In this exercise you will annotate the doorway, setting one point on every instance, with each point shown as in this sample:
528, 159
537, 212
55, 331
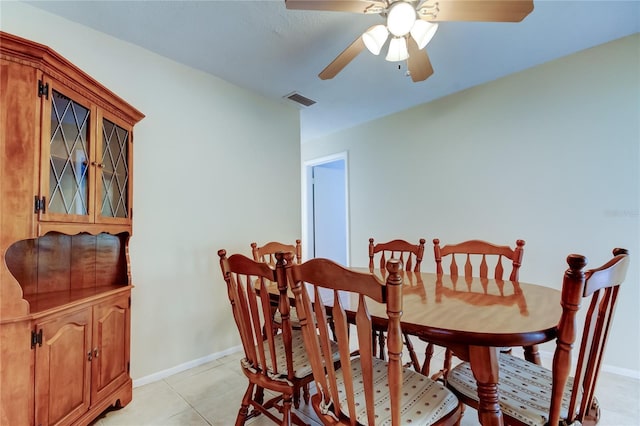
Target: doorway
325, 209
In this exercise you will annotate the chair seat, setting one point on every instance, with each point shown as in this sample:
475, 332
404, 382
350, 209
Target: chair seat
423, 401
524, 389
301, 363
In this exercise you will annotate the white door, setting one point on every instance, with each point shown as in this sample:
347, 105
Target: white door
327, 223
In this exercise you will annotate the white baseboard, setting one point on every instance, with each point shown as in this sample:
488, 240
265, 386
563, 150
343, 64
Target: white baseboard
182, 367
627, 372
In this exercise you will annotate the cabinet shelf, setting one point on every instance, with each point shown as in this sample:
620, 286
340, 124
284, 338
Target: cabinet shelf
47, 303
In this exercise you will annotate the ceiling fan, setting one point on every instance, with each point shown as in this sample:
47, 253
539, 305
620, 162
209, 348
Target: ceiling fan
410, 25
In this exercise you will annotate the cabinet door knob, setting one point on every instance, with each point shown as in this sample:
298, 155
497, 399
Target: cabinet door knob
95, 353
89, 356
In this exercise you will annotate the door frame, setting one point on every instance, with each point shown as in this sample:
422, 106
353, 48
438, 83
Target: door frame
307, 201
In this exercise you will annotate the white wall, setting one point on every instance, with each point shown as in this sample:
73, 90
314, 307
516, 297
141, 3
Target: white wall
198, 155
550, 155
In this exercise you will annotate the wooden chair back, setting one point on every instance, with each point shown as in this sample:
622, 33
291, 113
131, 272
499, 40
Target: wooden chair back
251, 312
319, 284
483, 249
263, 350
409, 254
599, 288
267, 252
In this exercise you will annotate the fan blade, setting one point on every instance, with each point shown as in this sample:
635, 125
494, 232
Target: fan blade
338, 5
418, 63
475, 10
343, 59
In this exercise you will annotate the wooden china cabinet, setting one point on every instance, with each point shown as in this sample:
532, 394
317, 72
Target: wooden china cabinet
65, 223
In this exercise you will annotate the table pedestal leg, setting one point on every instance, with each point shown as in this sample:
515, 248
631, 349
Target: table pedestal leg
484, 364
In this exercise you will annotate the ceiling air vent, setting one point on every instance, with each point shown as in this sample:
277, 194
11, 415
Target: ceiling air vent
299, 99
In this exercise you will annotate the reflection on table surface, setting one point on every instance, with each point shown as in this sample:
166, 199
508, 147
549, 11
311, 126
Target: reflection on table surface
435, 307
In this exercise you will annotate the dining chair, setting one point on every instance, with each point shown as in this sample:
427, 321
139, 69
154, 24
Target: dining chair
267, 254
364, 390
475, 257
533, 395
276, 362
411, 257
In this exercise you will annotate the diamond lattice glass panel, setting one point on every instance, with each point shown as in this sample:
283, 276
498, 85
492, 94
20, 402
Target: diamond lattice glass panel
115, 170
68, 189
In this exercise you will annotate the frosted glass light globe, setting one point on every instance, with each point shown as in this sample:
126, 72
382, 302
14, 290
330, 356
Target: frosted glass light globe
375, 38
401, 18
397, 50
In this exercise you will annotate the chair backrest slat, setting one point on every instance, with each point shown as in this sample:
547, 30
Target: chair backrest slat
241, 313
255, 320
363, 319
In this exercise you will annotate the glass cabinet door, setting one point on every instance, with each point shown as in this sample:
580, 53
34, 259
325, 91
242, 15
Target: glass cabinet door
67, 142
115, 173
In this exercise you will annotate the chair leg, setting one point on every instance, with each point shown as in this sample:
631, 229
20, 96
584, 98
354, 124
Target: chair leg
459, 422
446, 367
531, 354
244, 407
428, 354
286, 410
374, 343
296, 398
306, 396
259, 397
593, 413
332, 327
412, 353
381, 344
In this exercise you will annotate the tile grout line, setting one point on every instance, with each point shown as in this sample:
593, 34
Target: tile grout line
188, 403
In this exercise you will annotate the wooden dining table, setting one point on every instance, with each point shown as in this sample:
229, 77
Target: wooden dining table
474, 318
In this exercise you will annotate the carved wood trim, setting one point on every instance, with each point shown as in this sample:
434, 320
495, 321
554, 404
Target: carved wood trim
43, 58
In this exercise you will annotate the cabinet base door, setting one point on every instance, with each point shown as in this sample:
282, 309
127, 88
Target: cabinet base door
110, 366
62, 368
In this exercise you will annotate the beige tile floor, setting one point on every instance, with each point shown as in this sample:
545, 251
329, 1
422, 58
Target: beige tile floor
210, 394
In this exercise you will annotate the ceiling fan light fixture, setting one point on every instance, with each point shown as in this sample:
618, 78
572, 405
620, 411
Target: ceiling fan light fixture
401, 18
397, 50
375, 38
422, 32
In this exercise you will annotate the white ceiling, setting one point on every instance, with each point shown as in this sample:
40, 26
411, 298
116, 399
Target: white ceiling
262, 46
